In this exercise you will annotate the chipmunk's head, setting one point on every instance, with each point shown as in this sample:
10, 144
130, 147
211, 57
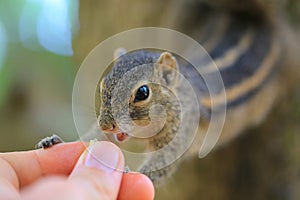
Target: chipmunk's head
129, 92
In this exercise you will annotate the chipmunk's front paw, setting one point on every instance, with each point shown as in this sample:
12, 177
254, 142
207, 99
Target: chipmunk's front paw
49, 142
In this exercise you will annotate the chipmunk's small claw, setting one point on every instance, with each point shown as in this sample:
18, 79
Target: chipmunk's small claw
126, 169
48, 142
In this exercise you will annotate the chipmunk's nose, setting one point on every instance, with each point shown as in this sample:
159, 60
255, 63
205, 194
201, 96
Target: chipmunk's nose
106, 122
112, 128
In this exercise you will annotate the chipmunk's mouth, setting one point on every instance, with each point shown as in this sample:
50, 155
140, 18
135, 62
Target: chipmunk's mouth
121, 137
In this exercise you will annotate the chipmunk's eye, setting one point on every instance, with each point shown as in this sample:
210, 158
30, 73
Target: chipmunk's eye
142, 93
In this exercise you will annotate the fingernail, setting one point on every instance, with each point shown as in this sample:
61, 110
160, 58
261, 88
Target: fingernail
103, 156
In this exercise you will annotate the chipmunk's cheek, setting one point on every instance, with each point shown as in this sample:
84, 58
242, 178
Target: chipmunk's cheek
121, 137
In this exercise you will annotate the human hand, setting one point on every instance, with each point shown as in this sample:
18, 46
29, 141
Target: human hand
66, 171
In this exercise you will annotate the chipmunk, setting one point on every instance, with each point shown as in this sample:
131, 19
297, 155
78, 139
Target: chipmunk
243, 41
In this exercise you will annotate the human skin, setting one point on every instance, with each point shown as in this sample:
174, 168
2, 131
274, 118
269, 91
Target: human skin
68, 171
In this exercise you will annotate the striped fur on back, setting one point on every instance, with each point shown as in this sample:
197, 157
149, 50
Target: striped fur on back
246, 51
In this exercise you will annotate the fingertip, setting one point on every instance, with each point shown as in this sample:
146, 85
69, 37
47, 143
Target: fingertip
100, 170
136, 186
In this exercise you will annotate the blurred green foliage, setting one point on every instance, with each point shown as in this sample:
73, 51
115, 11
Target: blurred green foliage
34, 83
19, 34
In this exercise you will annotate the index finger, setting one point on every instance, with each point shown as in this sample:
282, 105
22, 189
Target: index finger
22, 168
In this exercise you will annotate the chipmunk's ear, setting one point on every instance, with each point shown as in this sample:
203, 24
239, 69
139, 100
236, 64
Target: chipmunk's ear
119, 52
168, 68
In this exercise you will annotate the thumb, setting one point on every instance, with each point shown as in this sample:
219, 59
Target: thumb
99, 171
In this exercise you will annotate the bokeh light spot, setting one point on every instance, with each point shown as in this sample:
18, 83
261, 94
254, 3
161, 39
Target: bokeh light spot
54, 27
49, 24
